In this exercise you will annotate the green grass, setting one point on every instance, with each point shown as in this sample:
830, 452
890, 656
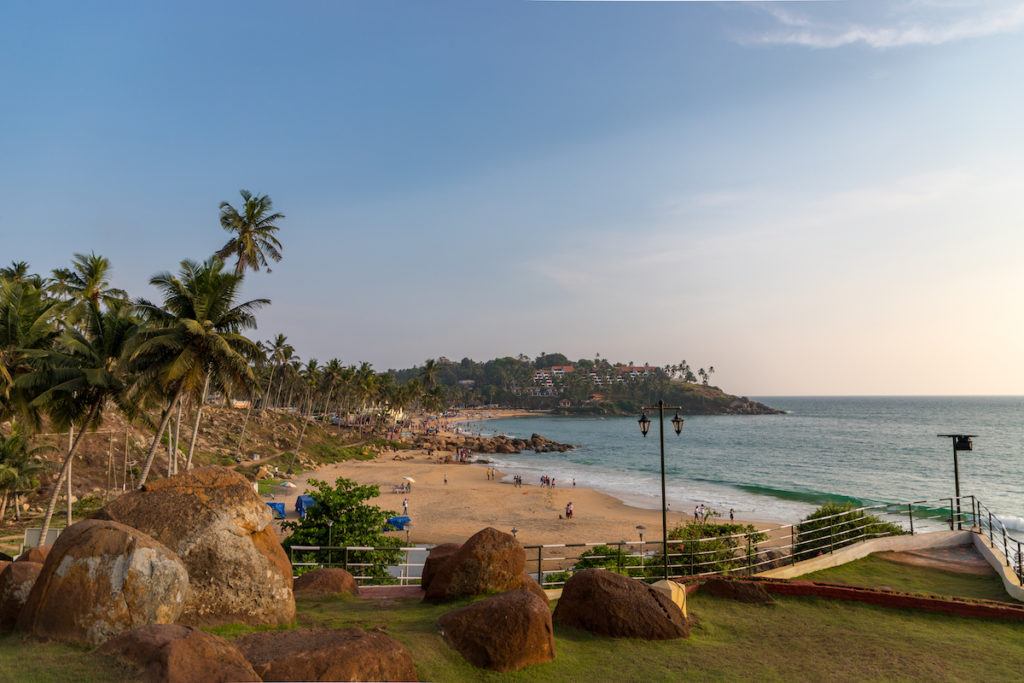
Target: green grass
331, 453
32, 662
797, 639
877, 572
268, 486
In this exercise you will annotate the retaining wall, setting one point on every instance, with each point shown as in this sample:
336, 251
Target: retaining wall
994, 556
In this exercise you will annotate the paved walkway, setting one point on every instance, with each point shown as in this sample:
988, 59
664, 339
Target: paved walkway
962, 559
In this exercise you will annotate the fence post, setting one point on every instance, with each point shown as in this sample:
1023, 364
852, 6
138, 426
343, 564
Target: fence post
1020, 567
1006, 551
792, 543
345, 560
750, 550
991, 541
618, 560
951, 515
540, 568
910, 511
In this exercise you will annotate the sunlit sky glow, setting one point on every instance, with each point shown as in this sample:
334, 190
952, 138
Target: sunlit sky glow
816, 198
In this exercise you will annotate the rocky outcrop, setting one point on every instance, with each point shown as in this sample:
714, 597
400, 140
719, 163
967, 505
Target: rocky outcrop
221, 529
608, 604
491, 444
171, 653
743, 591
103, 578
503, 633
322, 655
489, 562
437, 556
37, 555
325, 582
16, 581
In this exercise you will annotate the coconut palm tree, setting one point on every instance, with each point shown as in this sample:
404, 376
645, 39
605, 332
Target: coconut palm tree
79, 377
194, 338
254, 231
87, 281
279, 352
20, 466
28, 328
428, 375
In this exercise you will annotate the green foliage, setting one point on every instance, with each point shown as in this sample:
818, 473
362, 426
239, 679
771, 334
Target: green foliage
711, 547
835, 525
87, 505
331, 453
355, 523
612, 558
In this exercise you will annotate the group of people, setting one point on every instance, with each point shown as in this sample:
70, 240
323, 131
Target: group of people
492, 474
517, 481
545, 480
569, 509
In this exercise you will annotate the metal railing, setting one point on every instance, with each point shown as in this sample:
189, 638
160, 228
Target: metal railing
745, 552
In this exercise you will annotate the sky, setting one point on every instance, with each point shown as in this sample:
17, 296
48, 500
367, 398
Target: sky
817, 198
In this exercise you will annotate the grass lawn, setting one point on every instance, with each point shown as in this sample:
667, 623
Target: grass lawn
797, 639
877, 572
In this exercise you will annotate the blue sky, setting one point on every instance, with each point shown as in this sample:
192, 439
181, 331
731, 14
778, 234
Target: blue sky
809, 196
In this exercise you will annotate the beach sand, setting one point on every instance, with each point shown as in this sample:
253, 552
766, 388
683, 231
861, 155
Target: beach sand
452, 512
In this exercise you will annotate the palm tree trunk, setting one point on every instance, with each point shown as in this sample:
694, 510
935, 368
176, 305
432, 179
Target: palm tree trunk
245, 422
280, 386
17, 506
68, 478
177, 438
3, 506
65, 471
266, 396
165, 417
195, 425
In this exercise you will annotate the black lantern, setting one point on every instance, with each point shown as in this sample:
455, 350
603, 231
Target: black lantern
645, 424
677, 423
963, 442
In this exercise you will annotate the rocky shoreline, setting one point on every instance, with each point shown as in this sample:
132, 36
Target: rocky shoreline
491, 444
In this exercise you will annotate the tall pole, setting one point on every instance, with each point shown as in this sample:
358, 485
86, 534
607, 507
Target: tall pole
956, 478
664, 507
71, 433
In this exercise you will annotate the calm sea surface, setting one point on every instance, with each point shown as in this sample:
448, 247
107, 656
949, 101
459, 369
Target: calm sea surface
779, 467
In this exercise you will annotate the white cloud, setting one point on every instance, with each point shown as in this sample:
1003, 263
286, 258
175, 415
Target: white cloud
920, 22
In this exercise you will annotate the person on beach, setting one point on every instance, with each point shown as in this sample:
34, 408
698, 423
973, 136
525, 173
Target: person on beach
446, 478
405, 507
732, 515
574, 482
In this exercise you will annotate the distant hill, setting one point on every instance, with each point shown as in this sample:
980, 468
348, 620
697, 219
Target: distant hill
583, 387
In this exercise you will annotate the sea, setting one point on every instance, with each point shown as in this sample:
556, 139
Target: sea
862, 450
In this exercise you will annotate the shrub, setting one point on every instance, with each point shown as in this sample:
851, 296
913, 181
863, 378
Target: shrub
612, 558
835, 525
709, 547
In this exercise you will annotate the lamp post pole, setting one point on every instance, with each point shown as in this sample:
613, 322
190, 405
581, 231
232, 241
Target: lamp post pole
961, 442
645, 425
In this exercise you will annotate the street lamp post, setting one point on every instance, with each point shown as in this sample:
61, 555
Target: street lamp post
330, 541
961, 442
640, 529
645, 426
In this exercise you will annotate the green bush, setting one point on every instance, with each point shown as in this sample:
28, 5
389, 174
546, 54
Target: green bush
835, 525
709, 547
612, 558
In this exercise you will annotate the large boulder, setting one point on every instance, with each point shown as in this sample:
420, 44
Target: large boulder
743, 591
503, 633
609, 604
322, 655
103, 578
171, 653
530, 585
16, 581
34, 555
489, 562
437, 556
222, 531
326, 582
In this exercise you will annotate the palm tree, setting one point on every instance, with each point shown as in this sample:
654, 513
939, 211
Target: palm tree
20, 466
428, 375
86, 281
279, 351
254, 240
194, 338
80, 376
28, 328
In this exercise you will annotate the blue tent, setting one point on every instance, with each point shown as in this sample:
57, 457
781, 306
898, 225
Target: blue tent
400, 522
304, 504
278, 509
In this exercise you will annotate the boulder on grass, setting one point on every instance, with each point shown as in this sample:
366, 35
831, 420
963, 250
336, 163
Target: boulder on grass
744, 591
16, 581
674, 592
221, 529
326, 582
530, 585
34, 555
489, 562
103, 578
437, 556
171, 653
503, 633
322, 655
609, 604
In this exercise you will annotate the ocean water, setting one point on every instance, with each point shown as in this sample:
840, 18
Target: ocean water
864, 450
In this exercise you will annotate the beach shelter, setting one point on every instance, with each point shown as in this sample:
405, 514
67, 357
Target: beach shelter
278, 509
304, 504
399, 522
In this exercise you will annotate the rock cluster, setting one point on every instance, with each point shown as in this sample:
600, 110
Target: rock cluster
609, 604
743, 591
16, 581
170, 653
492, 444
326, 582
489, 562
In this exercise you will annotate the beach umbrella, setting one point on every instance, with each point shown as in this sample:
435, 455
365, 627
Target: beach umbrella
410, 480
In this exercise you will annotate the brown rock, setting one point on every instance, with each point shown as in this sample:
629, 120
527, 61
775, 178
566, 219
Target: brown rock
16, 581
103, 578
489, 562
503, 633
744, 591
171, 653
530, 585
437, 556
609, 604
321, 655
34, 555
326, 581
222, 531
